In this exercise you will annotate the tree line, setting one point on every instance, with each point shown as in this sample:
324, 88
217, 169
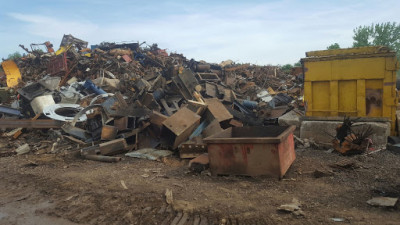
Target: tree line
385, 34
380, 34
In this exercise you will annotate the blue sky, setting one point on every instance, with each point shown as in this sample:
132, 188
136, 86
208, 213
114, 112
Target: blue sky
258, 32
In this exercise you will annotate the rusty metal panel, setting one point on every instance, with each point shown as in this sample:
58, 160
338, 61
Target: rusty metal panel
121, 123
190, 149
125, 123
108, 132
264, 151
181, 120
182, 124
213, 128
211, 90
203, 77
57, 64
218, 110
157, 118
228, 95
127, 58
186, 83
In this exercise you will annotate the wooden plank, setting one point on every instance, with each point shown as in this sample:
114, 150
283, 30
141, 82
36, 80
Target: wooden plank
184, 219
177, 218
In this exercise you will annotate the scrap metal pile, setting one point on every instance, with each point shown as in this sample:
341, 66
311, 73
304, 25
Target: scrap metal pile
114, 98
350, 141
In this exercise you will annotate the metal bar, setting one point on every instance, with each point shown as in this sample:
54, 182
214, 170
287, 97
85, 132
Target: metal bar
356, 119
64, 80
19, 132
102, 158
243, 109
251, 135
10, 111
327, 110
28, 123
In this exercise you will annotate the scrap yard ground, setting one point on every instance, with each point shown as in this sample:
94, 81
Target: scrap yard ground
130, 134
64, 189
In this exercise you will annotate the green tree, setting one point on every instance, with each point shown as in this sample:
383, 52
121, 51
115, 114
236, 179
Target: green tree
386, 34
15, 55
362, 36
333, 46
286, 68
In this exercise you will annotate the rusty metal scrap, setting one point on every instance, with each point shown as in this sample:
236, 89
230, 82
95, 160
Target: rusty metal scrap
180, 125
252, 151
138, 96
28, 123
347, 141
103, 158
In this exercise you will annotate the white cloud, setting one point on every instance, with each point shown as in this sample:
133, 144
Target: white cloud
270, 33
54, 28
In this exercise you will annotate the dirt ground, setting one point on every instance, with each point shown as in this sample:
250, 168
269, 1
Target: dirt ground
65, 189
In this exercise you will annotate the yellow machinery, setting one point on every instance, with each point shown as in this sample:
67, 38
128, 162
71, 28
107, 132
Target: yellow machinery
359, 82
12, 73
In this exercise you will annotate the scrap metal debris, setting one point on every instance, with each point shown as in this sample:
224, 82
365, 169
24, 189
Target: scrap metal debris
115, 98
347, 141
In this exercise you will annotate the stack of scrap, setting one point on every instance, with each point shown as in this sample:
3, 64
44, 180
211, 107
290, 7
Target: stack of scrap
347, 141
114, 98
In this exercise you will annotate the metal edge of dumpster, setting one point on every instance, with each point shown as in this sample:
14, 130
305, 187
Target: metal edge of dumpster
213, 138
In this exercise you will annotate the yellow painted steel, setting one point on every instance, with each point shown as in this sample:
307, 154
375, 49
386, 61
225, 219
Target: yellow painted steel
357, 82
12, 73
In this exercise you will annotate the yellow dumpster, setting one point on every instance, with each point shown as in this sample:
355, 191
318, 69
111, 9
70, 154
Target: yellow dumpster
358, 82
12, 73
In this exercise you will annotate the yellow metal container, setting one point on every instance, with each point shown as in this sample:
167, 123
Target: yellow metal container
358, 82
12, 73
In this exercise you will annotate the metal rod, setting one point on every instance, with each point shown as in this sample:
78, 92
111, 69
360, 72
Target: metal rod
102, 158
28, 123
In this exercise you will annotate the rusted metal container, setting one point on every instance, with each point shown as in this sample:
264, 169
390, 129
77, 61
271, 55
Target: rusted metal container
252, 151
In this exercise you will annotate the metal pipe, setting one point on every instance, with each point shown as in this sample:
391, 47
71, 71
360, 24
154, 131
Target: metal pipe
102, 158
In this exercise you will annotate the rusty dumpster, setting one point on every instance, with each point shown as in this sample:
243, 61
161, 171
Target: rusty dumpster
252, 151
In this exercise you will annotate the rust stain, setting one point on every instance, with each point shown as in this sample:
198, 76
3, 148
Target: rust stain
389, 84
244, 155
246, 149
373, 100
226, 155
274, 150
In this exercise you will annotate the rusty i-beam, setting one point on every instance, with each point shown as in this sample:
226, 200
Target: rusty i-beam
28, 123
